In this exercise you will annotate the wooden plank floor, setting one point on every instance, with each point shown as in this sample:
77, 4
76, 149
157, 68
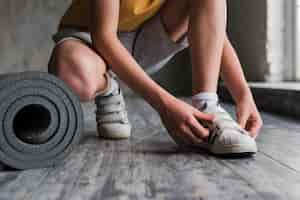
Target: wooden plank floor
149, 166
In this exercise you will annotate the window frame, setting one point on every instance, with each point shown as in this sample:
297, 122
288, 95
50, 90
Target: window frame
292, 40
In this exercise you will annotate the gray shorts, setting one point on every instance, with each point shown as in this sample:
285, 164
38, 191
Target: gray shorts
150, 45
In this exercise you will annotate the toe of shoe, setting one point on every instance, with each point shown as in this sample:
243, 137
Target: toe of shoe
115, 131
235, 143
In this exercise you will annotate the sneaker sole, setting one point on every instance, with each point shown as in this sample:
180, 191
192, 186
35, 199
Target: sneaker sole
114, 135
235, 149
230, 151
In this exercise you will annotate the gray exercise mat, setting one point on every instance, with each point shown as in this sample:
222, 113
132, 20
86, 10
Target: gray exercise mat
41, 120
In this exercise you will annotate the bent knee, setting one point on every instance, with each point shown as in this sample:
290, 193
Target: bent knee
75, 56
72, 59
79, 68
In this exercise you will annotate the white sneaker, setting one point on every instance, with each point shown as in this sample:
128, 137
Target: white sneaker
111, 115
226, 136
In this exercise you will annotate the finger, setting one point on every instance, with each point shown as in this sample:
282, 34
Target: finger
190, 136
198, 129
242, 120
203, 116
254, 128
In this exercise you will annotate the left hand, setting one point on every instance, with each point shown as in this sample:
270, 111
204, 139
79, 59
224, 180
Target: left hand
248, 116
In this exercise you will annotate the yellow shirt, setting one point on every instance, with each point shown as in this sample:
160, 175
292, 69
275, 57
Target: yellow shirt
133, 13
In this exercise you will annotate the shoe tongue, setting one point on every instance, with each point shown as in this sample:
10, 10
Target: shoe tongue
113, 87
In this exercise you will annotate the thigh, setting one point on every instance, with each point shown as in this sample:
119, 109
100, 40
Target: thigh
175, 24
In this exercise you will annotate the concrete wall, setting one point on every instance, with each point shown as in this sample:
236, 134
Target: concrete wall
26, 28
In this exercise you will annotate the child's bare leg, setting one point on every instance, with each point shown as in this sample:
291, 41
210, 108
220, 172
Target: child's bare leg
207, 35
205, 22
80, 68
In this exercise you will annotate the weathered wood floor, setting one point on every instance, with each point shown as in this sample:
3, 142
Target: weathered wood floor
149, 166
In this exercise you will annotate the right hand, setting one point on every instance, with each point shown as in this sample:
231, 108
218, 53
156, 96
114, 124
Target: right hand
182, 121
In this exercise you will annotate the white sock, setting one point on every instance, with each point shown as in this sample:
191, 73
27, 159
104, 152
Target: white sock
208, 98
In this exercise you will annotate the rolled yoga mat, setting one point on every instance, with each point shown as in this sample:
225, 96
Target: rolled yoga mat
41, 120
